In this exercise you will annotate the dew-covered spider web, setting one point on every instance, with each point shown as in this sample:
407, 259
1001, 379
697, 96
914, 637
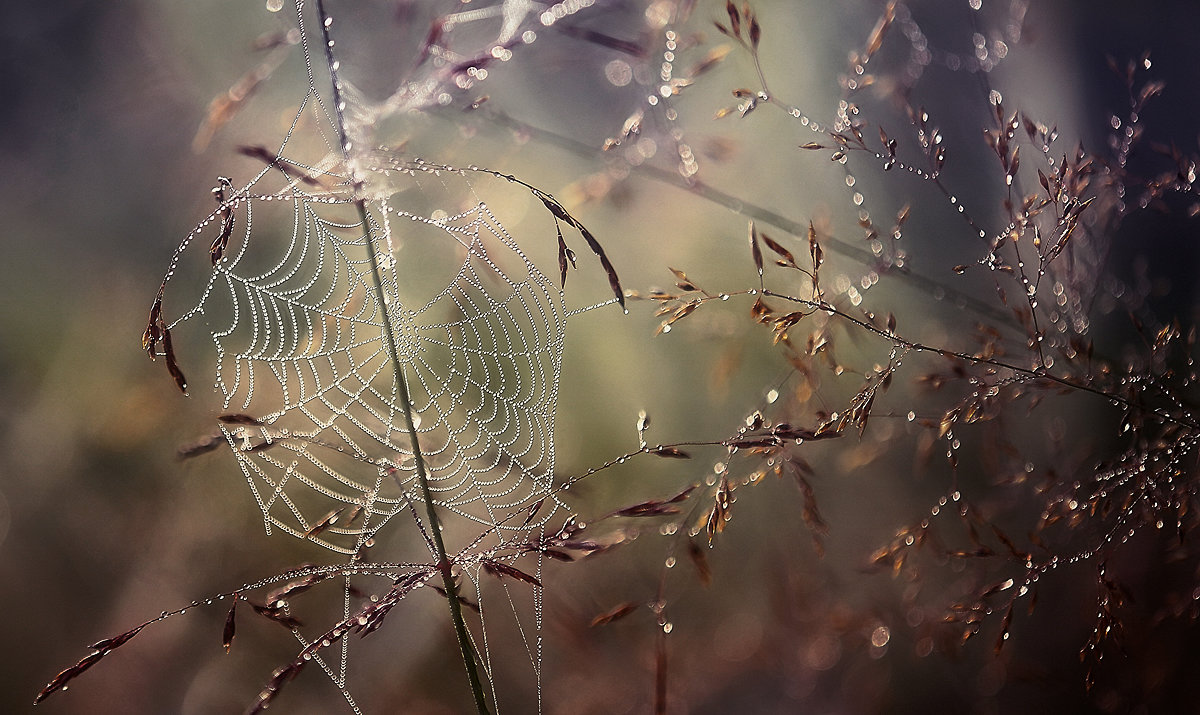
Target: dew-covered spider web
306, 382
310, 400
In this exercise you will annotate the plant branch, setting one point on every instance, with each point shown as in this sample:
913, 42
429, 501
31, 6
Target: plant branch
1037, 374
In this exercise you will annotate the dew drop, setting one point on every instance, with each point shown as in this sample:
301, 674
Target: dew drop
880, 636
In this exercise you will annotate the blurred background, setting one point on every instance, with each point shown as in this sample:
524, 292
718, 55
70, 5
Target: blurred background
109, 163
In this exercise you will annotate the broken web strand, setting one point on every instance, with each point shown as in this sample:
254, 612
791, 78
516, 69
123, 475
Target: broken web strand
401, 386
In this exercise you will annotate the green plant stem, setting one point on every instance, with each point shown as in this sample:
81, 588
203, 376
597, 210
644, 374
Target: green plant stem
444, 566
460, 626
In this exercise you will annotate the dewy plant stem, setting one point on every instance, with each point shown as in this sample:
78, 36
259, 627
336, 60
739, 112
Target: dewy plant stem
460, 626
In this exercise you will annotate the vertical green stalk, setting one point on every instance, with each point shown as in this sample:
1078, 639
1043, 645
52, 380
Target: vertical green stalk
460, 626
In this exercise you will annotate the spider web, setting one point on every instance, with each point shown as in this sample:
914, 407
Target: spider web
308, 387
312, 407
302, 367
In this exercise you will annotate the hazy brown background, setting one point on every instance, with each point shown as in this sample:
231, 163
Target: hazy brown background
101, 528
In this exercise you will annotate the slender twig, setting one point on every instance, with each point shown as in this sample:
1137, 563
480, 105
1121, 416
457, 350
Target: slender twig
1033, 373
444, 565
